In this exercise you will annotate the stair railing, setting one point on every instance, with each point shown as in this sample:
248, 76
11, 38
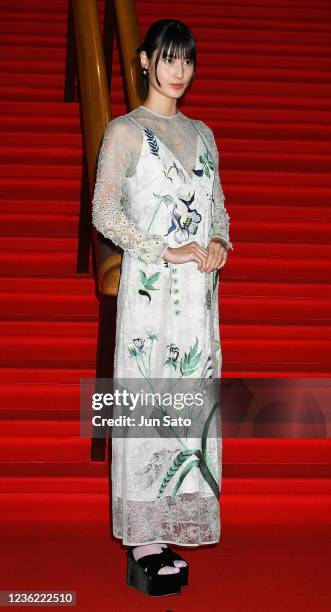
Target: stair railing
86, 58
88, 78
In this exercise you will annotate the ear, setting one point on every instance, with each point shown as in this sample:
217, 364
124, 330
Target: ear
143, 59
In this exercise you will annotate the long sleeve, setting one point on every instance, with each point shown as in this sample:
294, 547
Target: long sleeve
109, 215
220, 221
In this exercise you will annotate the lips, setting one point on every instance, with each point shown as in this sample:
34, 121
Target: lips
177, 85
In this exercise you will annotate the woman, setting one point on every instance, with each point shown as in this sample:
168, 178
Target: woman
158, 196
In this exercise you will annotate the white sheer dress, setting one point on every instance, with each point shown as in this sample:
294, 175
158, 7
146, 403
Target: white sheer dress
158, 185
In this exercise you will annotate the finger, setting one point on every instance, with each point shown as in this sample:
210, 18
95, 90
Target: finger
215, 256
201, 250
225, 256
200, 260
211, 262
200, 255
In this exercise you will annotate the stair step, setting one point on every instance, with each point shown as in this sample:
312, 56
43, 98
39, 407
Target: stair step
69, 160
34, 223
306, 109
51, 74
40, 400
51, 85
19, 143
276, 53
44, 448
41, 375
283, 196
41, 188
234, 486
205, 28
20, 58
86, 477
18, 333
56, 171
253, 455
282, 269
59, 331
267, 345
285, 239
30, 213
314, 15
262, 309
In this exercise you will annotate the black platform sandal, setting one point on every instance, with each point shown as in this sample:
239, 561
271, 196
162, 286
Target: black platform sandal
143, 575
170, 556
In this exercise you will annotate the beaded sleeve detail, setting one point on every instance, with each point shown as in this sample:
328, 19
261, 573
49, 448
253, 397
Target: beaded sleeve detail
109, 212
220, 227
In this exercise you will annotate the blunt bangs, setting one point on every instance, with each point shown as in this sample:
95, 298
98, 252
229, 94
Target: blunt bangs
177, 42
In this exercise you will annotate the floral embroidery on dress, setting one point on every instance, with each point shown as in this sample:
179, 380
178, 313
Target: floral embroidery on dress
152, 470
185, 220
152, 141
188, 366
207, 165
148, 283
179, 172
173, 355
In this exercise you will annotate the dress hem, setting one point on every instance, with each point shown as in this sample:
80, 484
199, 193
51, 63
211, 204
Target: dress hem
165, 542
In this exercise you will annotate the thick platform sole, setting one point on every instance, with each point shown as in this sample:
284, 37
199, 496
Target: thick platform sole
184, 571
152, 585
183, 575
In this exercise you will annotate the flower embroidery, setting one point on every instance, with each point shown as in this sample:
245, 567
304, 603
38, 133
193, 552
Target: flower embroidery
185, 220
137, 347
173, 355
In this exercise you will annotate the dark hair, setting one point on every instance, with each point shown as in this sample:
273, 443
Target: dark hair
173, 38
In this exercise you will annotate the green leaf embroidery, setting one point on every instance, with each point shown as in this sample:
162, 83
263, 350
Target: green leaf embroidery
184, 473
148, 281
190, 362
142, 277
178, 461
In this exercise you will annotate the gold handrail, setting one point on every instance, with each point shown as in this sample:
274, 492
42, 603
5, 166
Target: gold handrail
92, 79
96, 105
127, 22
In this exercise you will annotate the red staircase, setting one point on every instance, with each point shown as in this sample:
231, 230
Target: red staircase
263, 85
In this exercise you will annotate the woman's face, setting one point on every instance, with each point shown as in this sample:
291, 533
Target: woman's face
174, 74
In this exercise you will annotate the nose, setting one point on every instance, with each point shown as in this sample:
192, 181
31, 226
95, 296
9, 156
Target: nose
179, 69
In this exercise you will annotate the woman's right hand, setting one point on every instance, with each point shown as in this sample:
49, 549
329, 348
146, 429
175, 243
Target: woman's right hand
188, 252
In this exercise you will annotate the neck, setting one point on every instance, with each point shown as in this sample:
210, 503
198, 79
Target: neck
161, 105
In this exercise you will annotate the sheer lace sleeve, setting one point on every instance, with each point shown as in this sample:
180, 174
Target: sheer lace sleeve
220, 221
109, 214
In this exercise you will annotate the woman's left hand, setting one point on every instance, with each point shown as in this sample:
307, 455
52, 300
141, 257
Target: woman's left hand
217, 255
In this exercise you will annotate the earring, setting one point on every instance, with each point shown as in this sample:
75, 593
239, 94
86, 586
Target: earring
144, 71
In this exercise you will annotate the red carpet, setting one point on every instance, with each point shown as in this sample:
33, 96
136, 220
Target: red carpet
263, 85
